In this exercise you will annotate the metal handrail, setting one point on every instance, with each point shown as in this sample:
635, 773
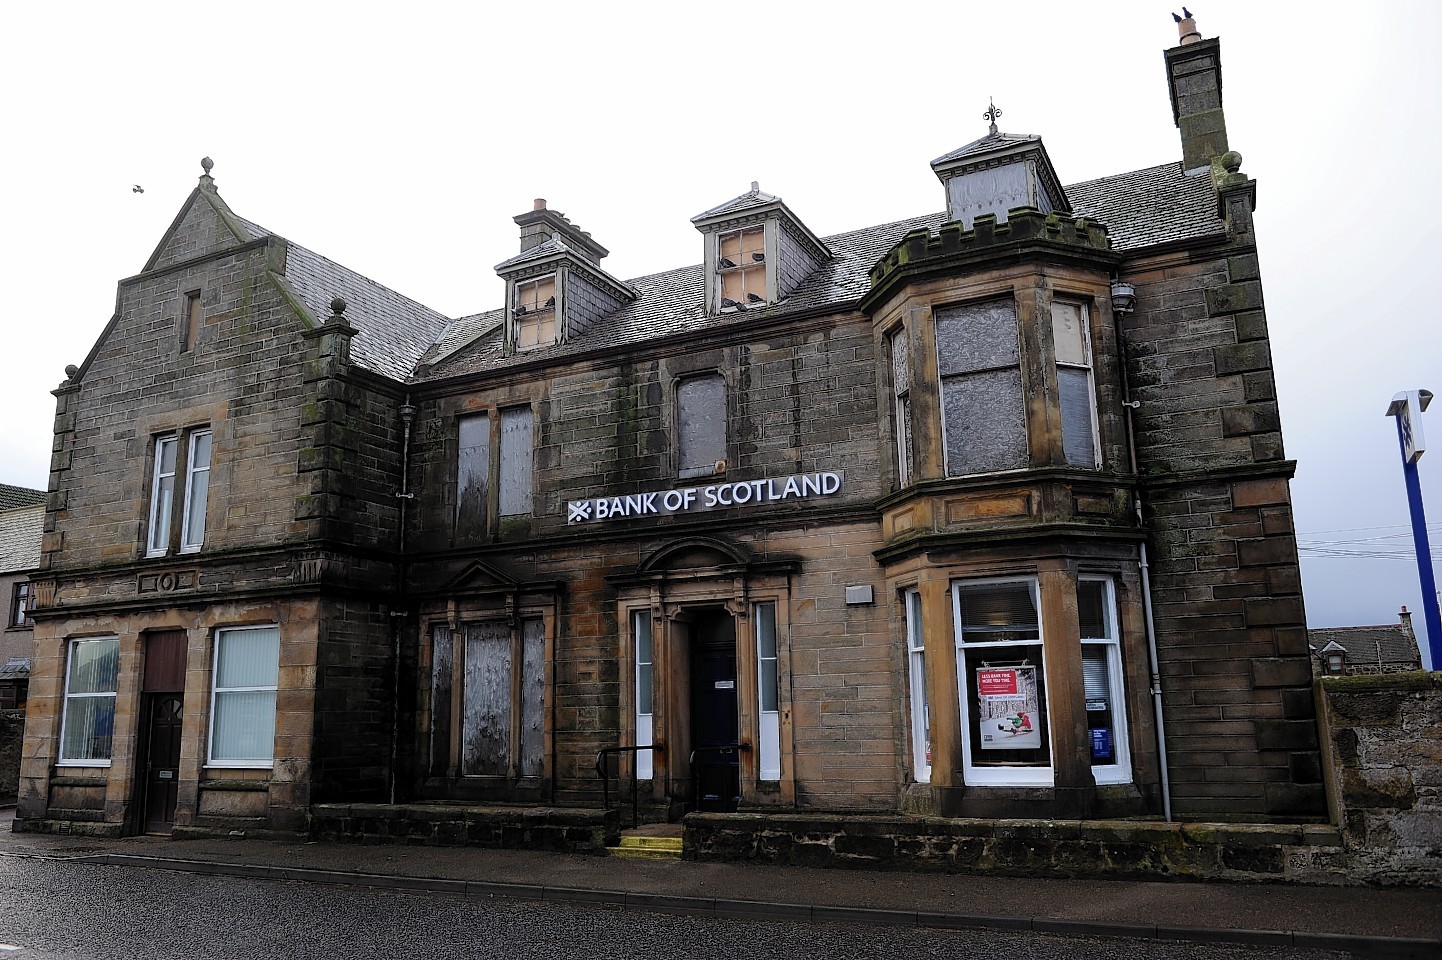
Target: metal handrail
718, 748
605, 774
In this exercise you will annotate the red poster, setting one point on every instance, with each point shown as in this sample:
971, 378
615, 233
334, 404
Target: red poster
996, 683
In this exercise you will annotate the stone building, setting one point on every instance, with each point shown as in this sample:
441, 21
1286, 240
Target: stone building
22, 517
1352, 651
981, 513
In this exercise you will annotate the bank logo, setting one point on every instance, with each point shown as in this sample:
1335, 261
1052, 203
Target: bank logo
580, 511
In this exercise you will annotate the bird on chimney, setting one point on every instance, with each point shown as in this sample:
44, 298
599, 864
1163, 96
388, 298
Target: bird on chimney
1186, 15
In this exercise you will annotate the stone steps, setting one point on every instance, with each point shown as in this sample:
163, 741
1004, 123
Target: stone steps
647, 848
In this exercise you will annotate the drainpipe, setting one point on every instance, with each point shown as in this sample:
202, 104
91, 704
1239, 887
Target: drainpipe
408, 415
1123, 293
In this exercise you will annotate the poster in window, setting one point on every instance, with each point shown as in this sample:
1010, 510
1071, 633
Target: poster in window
1010, 708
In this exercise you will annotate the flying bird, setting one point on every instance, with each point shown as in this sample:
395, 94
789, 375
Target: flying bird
137, 189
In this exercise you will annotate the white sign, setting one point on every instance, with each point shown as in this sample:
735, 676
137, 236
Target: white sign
1409, 406
741, 493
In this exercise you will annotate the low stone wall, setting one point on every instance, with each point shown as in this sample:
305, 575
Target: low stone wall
566, 830
1112, 849
12, 731
1382, 759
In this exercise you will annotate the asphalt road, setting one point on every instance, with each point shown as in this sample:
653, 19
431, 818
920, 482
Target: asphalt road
54, 910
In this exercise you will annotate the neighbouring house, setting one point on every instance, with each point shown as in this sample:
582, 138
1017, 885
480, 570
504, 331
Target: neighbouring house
969, 514
1349, 651
22, 517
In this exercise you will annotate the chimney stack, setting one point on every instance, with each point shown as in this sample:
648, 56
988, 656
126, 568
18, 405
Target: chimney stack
1194, 77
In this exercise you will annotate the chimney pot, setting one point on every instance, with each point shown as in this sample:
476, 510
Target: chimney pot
538, 204
1187, 30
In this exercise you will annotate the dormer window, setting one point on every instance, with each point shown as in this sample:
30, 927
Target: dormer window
741, 268
535, 313
757, 252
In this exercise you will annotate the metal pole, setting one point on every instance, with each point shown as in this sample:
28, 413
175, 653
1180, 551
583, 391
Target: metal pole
1424, 551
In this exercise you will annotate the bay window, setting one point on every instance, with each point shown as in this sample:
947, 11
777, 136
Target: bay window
920, 705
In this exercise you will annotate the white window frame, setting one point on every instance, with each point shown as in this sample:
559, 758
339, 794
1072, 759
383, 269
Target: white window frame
1119, 771
244, 763
1084, 318
65, 718
641, 626
193, 471
916, 671
1030, 776
901, 405
162, 502
768, 754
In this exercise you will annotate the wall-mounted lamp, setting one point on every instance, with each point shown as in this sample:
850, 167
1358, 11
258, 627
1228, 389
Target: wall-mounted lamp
1124, 297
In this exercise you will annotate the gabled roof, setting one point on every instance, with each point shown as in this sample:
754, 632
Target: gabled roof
393, 331
1141, 208
747, 201
12, 497
1386, 643
20, 533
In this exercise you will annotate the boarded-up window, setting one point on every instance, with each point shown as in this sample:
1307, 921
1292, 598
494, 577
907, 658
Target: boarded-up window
701, 424
533, 696
901, 406
535, 313
742, 268
473, 473
486, 724
442, 662
516, 456
1074, 383
984, 415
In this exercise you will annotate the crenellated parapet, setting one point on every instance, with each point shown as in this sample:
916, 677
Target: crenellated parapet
1027, 233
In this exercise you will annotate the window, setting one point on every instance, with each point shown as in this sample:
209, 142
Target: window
473, 475
1102, 680
701, 425
1074, 383
768, 693
920, 705
190, 321
1002, 681
741, 268
535, 313
242, 709
88, 723
516, 457
195, 487
901, 405
645, 691
501, 721
22, 601
983, 415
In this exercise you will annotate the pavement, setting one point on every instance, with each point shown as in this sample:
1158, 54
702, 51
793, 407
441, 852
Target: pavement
1364, 921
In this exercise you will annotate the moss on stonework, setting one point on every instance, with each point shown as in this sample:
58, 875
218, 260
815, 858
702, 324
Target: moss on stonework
1411, 681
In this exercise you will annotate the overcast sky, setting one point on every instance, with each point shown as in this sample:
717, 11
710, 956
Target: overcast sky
401, 139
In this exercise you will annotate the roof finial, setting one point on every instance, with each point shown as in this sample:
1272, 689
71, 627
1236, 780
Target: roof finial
755, 186
992, 112
205, 179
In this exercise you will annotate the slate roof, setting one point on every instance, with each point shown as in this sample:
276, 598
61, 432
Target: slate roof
12, 497
747, 201
1144, 207
1365, 645
16, 668
393, 331
988, 143
20, 532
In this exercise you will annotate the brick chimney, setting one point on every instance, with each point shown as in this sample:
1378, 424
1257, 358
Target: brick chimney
1194, 76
